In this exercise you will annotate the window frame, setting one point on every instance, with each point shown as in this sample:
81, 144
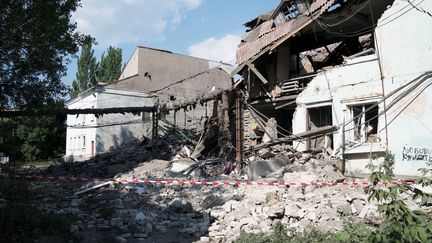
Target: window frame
363, 136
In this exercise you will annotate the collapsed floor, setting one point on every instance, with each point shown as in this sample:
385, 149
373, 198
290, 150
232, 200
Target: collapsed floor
138, 212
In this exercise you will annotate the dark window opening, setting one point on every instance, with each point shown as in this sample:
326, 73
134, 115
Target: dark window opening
365, 119
320, 117
290, 11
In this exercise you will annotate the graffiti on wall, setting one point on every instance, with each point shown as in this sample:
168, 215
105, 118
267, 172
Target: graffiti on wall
414, 153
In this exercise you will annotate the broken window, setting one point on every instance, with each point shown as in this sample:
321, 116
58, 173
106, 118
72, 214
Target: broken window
290, 11
365, 119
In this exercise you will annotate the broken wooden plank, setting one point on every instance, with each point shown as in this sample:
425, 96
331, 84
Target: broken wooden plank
257, 73
277, 100
260, 124
295, 137
94, 188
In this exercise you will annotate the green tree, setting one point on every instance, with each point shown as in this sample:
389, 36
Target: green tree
37, 38
33, 138
86, 72
110, 66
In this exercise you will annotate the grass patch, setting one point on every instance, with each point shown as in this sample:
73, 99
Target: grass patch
34, 163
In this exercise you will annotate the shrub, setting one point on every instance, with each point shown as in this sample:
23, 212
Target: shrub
400, 223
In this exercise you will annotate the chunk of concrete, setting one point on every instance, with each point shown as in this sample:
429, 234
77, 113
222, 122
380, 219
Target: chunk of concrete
265, 168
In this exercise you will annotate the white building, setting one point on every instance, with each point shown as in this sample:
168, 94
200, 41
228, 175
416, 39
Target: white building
361, 67
403, 61
166, 76
88, 135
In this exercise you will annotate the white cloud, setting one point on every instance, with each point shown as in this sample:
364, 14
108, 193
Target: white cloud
218, 49
114, 22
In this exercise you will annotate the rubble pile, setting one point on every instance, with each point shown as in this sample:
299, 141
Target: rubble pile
282, 162
174, 213
128, 156
138, 212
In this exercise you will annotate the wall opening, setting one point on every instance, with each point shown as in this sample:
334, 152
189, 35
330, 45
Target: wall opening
320, 117
365, 123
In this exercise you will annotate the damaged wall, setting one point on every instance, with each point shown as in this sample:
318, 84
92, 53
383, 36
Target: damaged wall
405, 44
108, 137
174, 77
344, 88
87, 135
404, 41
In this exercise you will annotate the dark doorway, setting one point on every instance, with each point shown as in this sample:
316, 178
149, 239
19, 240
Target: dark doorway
320, 117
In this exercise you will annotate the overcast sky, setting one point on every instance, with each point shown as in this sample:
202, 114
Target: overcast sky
204, 28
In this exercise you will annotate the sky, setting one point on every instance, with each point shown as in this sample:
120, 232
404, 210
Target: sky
208, 29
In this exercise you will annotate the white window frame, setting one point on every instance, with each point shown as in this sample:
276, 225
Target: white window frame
363, 137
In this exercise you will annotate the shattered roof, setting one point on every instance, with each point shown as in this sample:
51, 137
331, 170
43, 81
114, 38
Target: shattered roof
266, 34
252, 24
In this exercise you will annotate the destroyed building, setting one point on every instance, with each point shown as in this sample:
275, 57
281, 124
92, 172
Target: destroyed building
349, 78
151, 78
88, 134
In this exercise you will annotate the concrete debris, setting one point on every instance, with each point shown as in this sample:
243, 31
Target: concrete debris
137, 212
94, 188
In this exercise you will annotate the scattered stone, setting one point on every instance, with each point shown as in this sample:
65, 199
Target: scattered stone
117, 222
120, 239
211, 201
274, 212
292, 211
204, 239
148, 228
180, 206
161, 229
341, 206
76, 202
140, 217
140, 235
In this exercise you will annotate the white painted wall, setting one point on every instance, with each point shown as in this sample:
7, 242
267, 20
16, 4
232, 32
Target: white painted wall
85, 129
114, 136
405, 47
78, 137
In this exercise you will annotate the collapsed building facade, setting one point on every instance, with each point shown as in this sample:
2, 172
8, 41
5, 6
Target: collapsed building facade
348, 78
151, 78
